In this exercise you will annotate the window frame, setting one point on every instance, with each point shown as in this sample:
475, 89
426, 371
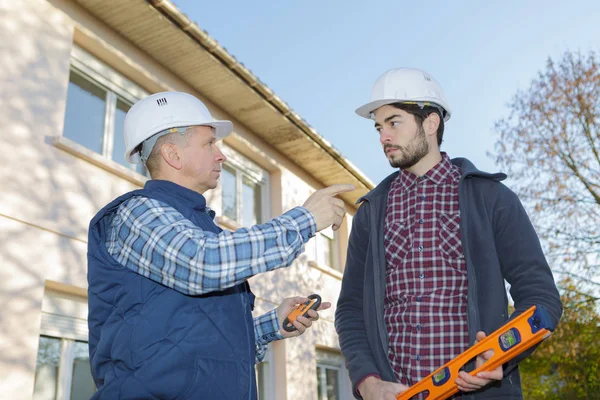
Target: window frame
117, 87
245, 168
64, 317
333, 360
334, 258
268, 363
64, 375
314, 250
322, 368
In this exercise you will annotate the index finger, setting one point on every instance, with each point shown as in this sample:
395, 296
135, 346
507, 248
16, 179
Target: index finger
339, 188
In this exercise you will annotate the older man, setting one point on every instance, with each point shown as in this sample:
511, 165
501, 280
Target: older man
169, 305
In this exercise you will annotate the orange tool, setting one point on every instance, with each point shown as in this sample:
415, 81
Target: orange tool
314, 301
510, 340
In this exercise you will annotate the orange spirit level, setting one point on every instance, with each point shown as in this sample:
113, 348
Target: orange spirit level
510, 340
314, 301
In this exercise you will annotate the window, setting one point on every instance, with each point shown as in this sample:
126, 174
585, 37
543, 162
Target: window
325, 249
97, 100
86, 109
63, 366
329, 385
264, 377
229, 189
62, 370
243, 189
333, 382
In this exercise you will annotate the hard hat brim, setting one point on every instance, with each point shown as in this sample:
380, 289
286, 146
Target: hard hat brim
366, 110
222, 130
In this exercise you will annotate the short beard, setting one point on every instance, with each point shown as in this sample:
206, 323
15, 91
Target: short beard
412, 153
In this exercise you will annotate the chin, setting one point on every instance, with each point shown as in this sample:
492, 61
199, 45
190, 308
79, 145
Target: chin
213, 185
392, 159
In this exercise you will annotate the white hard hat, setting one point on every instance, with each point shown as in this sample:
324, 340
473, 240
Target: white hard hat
406, 85
162, 111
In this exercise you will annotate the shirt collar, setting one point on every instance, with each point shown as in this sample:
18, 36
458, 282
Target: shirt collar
439, 174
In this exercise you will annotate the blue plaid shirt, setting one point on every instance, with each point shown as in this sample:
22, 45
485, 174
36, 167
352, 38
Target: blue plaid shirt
156, 241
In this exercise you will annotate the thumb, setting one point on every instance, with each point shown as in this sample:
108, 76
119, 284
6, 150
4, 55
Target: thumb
399, 388
480, 336
296, 300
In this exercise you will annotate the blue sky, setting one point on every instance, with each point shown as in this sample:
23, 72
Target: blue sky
322, 58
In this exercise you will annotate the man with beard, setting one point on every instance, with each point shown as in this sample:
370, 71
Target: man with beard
429, 251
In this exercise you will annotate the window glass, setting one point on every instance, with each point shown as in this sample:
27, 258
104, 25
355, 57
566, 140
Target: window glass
251, 204
82, 383
229, 192
46, 369
85, 113
332, 384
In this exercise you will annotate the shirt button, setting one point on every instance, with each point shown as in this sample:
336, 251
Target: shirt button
418, 357
423, 197
420, 248
418, 328
421, 221
421, 276
423, 177
419, 298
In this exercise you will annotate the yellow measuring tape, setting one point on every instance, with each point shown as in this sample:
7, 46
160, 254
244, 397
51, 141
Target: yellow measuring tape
510, 340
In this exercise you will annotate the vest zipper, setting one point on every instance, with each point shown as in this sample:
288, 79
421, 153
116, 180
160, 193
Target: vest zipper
245, 306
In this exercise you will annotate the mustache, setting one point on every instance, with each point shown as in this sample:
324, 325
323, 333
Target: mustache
391, 146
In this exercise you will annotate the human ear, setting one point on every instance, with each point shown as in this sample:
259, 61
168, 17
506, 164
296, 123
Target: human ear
170, 153
432, 122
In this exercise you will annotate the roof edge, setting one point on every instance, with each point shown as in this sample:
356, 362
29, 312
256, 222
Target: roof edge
171, 12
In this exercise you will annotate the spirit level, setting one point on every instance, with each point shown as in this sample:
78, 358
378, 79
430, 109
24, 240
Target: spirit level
508, 341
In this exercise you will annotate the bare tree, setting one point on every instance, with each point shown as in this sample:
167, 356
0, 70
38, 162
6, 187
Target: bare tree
550, 147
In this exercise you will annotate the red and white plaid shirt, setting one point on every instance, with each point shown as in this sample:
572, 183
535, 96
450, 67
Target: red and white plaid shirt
426, 281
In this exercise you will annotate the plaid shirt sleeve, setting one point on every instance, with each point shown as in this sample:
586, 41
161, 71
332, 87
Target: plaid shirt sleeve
266, 330
156, 241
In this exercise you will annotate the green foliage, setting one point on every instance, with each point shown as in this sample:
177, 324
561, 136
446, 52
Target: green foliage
567, 365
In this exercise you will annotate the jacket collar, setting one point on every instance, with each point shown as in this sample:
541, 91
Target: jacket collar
467, 169
194, 199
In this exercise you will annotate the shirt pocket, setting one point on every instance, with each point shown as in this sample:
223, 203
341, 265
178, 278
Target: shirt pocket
450, 243
397, 242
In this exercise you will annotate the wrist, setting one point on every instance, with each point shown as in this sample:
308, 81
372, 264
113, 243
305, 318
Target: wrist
366, 383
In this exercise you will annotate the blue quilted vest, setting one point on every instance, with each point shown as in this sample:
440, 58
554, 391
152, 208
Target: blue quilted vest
148, 341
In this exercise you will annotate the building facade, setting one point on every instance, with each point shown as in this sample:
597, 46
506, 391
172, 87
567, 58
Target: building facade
70, 71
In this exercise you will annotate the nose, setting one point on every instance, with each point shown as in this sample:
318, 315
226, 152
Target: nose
384, 136
219, 156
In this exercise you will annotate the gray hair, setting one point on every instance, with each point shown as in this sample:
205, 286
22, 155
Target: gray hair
148, 144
